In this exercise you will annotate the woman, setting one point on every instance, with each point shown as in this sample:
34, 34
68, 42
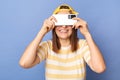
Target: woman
65, 55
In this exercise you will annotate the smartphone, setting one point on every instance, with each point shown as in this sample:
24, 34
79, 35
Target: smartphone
65, 19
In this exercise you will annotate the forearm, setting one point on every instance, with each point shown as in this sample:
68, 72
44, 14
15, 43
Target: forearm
29, 57
30, 54
96, 61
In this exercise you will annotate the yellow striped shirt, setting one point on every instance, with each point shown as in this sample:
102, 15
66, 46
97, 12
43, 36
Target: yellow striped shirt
65, 65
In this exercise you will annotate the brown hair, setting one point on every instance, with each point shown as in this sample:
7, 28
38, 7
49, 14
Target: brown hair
64, 7
73, 41
73, 38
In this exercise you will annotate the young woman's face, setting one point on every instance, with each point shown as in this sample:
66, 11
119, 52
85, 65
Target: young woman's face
63, 32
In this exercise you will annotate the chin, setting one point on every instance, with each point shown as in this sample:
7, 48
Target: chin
63, 38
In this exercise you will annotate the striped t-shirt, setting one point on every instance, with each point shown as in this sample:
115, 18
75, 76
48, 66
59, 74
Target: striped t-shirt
65, 65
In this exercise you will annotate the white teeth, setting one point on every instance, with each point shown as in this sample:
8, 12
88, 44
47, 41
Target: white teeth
63, 31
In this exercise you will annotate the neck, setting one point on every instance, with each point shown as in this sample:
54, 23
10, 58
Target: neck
64, 42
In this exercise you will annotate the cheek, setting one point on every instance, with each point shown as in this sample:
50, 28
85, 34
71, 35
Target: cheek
70, 30
56, 31
56, 28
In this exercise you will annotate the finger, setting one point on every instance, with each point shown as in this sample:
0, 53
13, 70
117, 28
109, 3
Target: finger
78, 26
51, 24
52, 18
75, 18
74, 25
80, 20
49, 28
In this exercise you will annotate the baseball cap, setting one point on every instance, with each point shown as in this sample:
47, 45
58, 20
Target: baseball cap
65, 6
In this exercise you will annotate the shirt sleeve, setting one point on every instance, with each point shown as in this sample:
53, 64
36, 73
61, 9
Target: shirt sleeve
42, 50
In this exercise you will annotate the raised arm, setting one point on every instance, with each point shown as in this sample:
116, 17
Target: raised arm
96, 61
29, 57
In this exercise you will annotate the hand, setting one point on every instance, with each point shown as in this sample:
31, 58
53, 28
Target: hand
81, 25
48, 24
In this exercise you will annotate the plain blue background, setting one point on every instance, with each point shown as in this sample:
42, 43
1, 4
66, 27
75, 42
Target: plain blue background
20, 21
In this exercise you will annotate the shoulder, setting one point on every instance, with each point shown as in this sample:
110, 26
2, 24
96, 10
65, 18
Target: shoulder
46, 43
81, 42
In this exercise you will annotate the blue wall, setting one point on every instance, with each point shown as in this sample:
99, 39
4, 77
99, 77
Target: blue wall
20, 20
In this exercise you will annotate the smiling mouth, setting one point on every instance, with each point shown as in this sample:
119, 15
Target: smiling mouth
63, 31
